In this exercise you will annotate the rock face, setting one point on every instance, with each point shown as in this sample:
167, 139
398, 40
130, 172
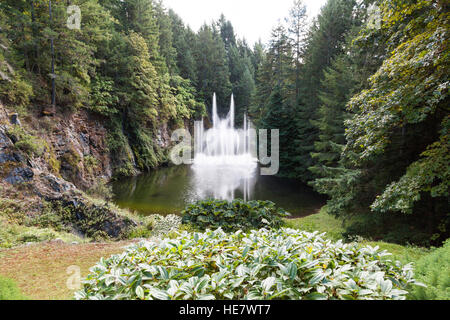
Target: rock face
69, 154
5, 142
20, 175
79, 143
14, 168
90, 219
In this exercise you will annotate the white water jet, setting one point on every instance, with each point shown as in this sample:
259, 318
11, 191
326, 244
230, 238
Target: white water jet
222, 155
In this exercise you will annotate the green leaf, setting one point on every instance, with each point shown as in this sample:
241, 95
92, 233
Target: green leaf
140, 292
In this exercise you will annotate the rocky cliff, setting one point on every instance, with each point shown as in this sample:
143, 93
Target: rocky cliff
53, 160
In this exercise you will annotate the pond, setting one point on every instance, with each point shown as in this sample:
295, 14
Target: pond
169, 190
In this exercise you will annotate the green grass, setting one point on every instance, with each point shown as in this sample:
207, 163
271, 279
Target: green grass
322, 222
9, 290
41, 271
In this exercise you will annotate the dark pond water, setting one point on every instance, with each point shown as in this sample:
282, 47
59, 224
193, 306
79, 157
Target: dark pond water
168, 190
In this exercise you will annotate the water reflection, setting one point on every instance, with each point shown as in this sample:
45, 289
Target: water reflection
168, 190
223, 181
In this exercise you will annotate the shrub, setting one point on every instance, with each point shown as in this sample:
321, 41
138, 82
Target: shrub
101, 189
155, 225
233, 216
91, 163
433, 270
25, 142
277, 264
9, 290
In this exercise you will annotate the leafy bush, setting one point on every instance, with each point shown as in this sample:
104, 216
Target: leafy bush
434, 270
9, 290
163, 225
101, 189
102, 98
156, 226
277, 264
233, 216
25, 142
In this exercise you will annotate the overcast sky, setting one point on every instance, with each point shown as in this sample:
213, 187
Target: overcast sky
251, 19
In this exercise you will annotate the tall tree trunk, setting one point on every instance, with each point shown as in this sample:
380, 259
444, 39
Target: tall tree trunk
53, 60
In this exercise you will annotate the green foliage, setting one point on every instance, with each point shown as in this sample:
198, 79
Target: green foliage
14, 89
102, 98
273, 73
25, 142
164, 225
75, 50
212, 67
397, 138
433, 270
94, 221
156, 225
279, 116
13, 234
279, 264
325, 42
9, 290
101, 189
16, 93
390, 227
234, 215
322, 222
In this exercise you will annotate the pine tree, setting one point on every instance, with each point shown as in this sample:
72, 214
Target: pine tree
279, 116
274, 71
226, 33
75, 58
212, 68
325, 42
166, 48
184, 44
297, 23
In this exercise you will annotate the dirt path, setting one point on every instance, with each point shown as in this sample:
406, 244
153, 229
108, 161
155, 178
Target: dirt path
41, 272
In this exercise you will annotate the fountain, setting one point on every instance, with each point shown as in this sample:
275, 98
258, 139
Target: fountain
224, 166
225, 159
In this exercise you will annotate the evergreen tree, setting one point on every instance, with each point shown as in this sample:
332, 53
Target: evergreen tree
325, 42
227, 33
297, 31
166, 47
273, 72
212, 68
279, 116
184, 44
75, 59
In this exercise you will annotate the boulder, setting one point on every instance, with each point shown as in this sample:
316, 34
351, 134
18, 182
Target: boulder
15, 119
20, 175
5, 141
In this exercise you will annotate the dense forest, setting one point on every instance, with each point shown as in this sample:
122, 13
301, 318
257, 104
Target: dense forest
361, 104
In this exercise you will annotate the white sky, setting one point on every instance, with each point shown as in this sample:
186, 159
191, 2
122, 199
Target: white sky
251, 19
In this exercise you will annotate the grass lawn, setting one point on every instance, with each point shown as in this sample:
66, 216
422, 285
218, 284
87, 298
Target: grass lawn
40, 271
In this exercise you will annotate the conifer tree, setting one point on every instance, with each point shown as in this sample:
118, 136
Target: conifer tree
212, 68
325, 42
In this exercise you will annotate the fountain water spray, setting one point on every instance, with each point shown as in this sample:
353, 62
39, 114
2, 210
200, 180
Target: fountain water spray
223, 144
223, 153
